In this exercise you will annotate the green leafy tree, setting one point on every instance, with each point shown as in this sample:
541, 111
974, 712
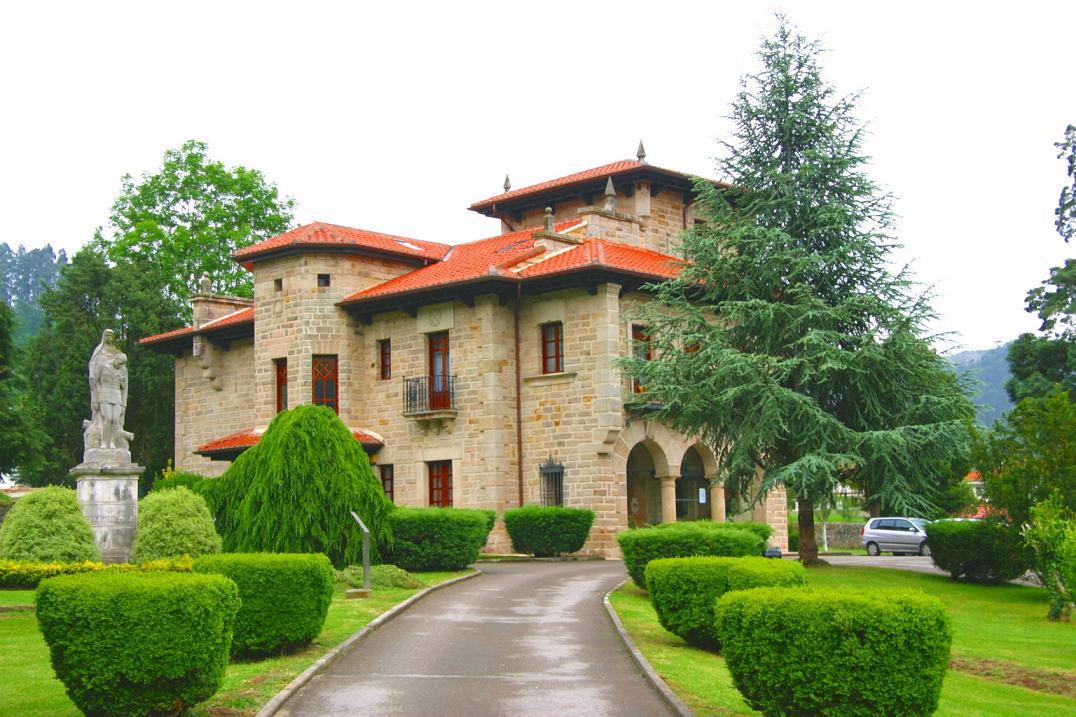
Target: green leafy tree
1041, 363
1047, 533
21, 440
189, 217
1029, 455
810, 361
295, 490
89, 297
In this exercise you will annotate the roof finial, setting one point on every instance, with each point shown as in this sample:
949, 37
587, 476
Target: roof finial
610, 196
641, 152
206, 285
507, 184
548, 221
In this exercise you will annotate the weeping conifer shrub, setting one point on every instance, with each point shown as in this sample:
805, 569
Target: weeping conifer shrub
293, 492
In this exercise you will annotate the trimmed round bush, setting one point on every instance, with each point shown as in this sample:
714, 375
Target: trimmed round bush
47, 526
683, 590
841, 653
682, 540
172, 523
285, 597
985, 551
437, 538
381, 577
138, 643
545, 531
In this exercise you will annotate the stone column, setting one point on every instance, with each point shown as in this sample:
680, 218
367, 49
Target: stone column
109, 499
668, 499
717, 501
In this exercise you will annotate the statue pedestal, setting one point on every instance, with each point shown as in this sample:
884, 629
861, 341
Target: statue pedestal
108, 495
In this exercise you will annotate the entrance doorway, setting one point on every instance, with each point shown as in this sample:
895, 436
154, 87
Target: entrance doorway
692, 489
644, 489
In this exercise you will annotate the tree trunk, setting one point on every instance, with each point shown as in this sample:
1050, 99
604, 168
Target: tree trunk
808, 546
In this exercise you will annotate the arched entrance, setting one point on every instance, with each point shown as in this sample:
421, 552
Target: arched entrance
692, 489
644, 489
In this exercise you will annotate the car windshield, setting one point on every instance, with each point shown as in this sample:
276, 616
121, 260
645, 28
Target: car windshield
919, 522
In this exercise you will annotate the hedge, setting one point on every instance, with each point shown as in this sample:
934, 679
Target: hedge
544, 531
682, 540
762, 530
47, 525
138, 643
285, 597
28, 574
842, 653
683, 590
437, 538
177, 479
986, 551
172, 523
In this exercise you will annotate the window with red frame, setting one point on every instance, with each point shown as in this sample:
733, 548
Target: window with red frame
440, 483
552, 347
640, 340
326, 380
384, 352
280, 366
388, 482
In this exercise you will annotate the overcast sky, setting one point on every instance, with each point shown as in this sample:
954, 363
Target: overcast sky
396, 116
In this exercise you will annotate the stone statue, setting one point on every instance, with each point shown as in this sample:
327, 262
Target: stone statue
108, 401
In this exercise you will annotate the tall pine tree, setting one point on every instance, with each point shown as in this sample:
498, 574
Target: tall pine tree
805, 353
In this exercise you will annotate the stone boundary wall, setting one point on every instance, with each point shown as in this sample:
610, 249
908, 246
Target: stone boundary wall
839, 535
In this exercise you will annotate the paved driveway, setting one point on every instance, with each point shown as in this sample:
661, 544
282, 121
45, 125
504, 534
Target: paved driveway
914, 563
522, 639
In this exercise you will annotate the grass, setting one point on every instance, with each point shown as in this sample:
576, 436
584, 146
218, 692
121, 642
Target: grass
1002, 643
24, 658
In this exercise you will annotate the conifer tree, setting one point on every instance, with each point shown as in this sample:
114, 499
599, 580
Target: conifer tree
787, 343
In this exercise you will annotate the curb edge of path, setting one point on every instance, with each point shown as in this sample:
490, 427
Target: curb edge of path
655, 679
272, 706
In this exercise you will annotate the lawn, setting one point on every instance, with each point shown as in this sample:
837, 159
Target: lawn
24, 658
1002, 646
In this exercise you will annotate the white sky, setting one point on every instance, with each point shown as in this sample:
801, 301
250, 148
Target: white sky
396, 116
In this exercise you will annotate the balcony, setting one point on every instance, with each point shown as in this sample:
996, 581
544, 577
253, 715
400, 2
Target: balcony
431, 400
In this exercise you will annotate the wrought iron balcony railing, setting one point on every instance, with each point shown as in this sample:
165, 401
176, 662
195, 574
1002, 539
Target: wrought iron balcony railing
429, 394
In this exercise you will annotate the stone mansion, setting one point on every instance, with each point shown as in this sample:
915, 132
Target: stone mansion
476, 375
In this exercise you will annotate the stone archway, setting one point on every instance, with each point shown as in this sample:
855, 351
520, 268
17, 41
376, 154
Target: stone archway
692, 488
644, 488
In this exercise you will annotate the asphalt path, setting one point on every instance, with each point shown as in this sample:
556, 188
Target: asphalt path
522, 639
915, 563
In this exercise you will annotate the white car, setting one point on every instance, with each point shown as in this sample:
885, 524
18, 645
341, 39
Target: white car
895, 535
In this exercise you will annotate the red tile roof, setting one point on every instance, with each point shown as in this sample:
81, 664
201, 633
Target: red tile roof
607, 255
320, 234
466, 262
497, 255
586, 175
236, 318
250, 437
187, 331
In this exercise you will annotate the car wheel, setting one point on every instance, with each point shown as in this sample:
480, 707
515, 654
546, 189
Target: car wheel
924, 549
873, 550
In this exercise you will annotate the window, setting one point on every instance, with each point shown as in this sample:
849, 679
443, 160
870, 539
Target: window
280, 368
388, 481
552, 474
640, 341
326, 380
440, 372
440, 483
552, 348
384, 352
278, 285
323, 280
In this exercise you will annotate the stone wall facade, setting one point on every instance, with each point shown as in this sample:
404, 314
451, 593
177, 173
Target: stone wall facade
509, 416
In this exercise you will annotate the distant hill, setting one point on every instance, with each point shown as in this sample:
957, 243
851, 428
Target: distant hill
991, 368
